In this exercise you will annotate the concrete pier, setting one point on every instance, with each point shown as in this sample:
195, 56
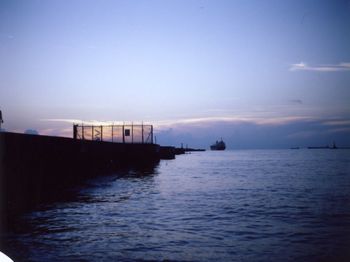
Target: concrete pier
34, 169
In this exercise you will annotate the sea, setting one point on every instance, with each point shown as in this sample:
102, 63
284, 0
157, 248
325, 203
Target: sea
234, 205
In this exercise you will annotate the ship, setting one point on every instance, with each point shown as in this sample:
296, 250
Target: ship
219, 145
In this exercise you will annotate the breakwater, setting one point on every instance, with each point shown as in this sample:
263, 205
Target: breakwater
37, 169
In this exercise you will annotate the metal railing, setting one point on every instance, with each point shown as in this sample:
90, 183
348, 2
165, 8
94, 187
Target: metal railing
115, 133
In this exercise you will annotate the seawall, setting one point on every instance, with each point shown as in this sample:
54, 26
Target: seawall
35, 169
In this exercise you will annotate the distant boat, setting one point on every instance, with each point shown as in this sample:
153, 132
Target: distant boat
219, 145
334, 146
318, 147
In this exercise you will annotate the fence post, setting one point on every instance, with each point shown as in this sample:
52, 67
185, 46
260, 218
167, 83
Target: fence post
123, 134
142, 133
151, 134
82, 135
132, 132
75, 131
101, 133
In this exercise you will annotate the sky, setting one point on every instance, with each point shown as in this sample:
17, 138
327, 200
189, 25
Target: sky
259, 74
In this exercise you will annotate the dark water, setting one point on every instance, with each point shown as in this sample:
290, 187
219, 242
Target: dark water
263, 205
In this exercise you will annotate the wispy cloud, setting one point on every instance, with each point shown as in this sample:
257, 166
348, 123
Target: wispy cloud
302, 134
296, 101
79, 121
337, 122
92, 122
340, 130
320, 68
62, 120
64, 132
202, 121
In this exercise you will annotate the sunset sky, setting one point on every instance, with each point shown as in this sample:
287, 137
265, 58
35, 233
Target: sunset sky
260, 74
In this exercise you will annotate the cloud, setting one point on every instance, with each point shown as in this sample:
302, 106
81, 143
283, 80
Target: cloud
340, 130
205, 121
238, 131
250, 134
337, 122
31, 132
64, 132
302, 134
296, 101
320, 68
79, 121
62, 120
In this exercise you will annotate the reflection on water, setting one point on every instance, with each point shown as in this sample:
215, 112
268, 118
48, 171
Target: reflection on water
238, 205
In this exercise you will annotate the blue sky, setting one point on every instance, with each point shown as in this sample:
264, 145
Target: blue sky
188, 67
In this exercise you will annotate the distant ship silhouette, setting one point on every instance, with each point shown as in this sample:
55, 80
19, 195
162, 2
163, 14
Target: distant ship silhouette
219, 145
334, 146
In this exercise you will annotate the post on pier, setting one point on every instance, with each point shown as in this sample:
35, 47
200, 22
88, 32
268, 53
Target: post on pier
142, 132
75, 131
132, 132
82, 132
152, 134
123, 134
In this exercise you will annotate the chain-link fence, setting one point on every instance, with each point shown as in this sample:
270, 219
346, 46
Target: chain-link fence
115, 133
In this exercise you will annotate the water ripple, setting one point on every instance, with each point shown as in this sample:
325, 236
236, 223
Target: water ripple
238, 205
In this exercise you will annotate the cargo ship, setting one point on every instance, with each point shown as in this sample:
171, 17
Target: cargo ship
219, 145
